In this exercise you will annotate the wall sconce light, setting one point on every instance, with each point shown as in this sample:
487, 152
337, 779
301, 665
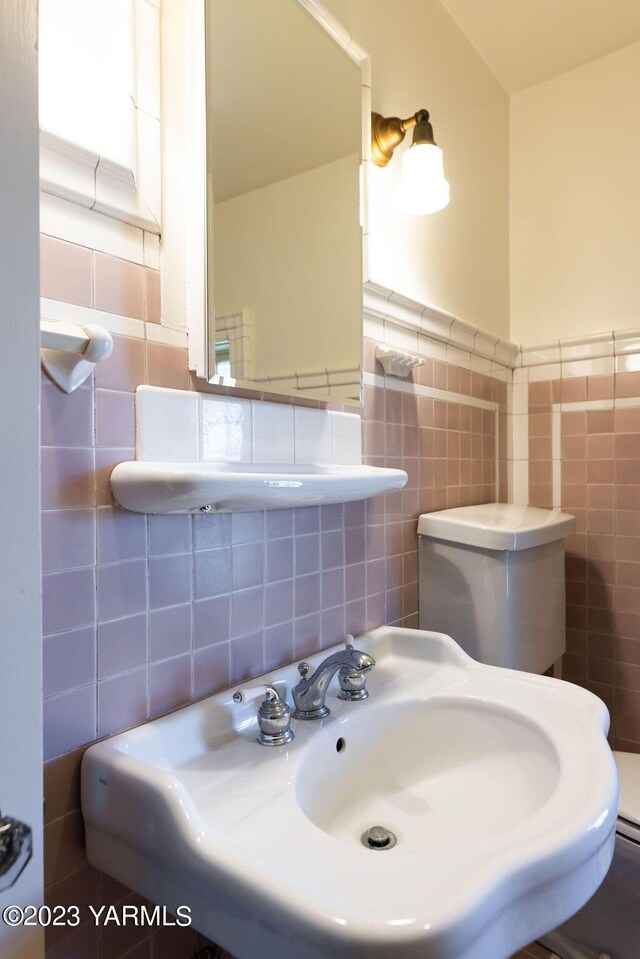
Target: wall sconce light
423, 188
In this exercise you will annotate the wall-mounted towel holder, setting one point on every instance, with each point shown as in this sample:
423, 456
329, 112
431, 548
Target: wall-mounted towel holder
396, 362
69, 353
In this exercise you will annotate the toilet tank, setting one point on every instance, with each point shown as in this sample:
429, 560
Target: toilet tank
492, 577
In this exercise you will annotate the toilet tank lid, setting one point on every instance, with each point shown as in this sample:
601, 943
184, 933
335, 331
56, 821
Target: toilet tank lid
629, 772
499, 526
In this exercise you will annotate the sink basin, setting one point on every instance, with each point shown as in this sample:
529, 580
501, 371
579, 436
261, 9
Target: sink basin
499, 787
497, 771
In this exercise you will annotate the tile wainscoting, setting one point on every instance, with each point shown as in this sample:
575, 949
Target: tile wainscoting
143, 614
584, 455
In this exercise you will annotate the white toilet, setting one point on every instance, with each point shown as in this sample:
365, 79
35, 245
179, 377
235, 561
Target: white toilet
492, 576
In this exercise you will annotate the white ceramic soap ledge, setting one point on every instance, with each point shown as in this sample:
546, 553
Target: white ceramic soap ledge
201, 453
197, 487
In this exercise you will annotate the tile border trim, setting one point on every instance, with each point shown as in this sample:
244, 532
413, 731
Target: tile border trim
417, 389
59, 311
385, 310
613, 344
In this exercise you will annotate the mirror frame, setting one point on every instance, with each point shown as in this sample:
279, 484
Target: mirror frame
202, 342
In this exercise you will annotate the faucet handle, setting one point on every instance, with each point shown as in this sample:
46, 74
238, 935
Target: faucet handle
274, 715
252, 692
274, 719
352, 680
352, 684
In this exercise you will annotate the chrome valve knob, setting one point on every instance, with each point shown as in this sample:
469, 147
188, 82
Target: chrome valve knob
352, 680
352, 684
274, 718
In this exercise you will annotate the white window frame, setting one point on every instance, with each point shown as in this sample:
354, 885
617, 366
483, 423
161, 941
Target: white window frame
129, 193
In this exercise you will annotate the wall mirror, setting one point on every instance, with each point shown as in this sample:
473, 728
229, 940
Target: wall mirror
284, 150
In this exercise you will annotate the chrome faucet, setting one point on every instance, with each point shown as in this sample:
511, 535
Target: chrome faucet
310, 693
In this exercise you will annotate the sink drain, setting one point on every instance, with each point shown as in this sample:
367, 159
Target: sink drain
378, 838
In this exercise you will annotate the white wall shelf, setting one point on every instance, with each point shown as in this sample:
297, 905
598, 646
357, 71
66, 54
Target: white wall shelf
144, 487
218, 454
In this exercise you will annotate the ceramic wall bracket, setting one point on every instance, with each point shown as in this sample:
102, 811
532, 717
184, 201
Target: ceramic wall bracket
397, 363
69, 353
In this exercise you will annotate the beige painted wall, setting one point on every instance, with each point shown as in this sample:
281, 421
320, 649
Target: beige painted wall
575, 202
290, 252
457, 259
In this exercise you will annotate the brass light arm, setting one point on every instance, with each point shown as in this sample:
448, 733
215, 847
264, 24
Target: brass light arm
388, 132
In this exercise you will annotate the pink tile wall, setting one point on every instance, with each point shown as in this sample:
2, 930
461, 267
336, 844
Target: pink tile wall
600, 471
145, 613
85, 277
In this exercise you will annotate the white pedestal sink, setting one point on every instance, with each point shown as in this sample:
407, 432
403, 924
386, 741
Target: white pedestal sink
499, 787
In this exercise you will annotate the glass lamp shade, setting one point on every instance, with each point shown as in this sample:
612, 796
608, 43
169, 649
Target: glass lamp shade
423, 188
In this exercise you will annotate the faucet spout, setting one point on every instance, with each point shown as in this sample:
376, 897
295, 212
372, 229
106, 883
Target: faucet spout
310, 693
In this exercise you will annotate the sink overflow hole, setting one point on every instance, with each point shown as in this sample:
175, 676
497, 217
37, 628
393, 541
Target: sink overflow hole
340, 745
